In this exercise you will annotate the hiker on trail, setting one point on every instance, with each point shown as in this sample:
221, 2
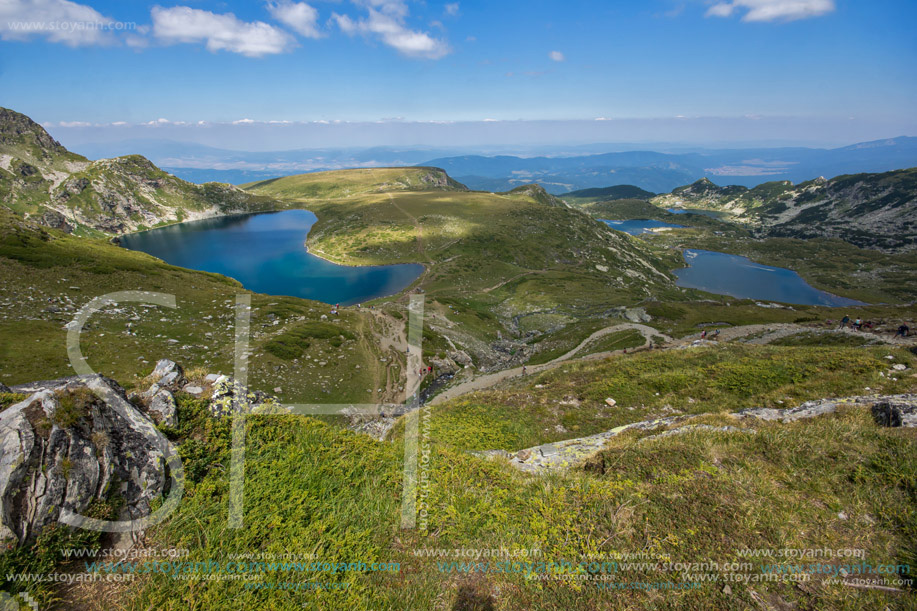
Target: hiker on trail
716, 334
857, 324
903, 330
703, 334
844, 321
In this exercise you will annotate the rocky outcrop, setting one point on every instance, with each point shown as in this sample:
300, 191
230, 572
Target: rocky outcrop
114, 196
891, 410
895, 412
71, 442
902, 405
4, 388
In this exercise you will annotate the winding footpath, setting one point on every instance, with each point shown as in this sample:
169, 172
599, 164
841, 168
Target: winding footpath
492, 379
763, 334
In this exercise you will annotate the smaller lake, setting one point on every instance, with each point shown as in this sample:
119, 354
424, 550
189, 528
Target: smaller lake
711, 213
638, 226
266, 252
717, 272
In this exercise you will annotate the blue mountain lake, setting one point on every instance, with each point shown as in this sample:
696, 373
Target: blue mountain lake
638, 226
717, 272
266, 252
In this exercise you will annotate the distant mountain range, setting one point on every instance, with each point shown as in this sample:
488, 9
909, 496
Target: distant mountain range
558, 170
662, 172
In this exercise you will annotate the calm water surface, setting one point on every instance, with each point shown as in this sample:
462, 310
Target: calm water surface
266, 253
638, 226
717, 272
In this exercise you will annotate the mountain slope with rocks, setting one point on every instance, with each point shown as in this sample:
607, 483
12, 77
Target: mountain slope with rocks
41, 180
868, 210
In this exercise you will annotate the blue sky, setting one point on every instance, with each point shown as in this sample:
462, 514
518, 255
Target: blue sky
812, 70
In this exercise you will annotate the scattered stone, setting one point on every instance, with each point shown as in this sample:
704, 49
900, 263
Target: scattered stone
899, 366
210, 378
611, 402
194, 391
278, 389
842, 515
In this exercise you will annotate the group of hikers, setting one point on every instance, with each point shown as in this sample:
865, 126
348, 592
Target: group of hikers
859, 325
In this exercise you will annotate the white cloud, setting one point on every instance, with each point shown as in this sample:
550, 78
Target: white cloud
299, 16
57, 20
772, 10
452, 9
556, 56
386, 20
182, 24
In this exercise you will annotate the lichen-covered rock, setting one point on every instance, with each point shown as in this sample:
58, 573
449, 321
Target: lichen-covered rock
167, 374
71, 442
163, 408
4, 388
228, 396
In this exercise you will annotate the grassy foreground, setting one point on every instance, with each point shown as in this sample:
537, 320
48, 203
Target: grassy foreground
674, 519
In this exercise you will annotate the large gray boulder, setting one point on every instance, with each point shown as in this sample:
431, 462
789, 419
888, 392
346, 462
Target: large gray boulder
167, 375
71, 442
4, 387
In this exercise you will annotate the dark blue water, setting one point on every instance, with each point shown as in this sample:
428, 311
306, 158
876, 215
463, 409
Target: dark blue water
717, 272
638, 226
266, 253
711, 213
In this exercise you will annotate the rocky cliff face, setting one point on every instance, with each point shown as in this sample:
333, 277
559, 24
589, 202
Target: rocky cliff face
43, 181
868, 210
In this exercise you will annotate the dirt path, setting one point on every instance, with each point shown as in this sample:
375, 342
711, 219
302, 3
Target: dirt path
508, 280
492, 379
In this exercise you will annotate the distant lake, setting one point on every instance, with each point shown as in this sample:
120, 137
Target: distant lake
711, 213
266, 252
638, 226
717, 272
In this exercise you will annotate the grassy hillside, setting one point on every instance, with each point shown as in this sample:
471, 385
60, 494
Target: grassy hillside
585, 196
47, 276
341, 184
317, 494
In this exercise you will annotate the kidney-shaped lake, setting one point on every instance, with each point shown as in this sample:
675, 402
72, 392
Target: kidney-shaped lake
266, 252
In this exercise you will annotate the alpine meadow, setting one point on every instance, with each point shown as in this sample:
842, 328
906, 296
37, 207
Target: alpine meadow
458, 306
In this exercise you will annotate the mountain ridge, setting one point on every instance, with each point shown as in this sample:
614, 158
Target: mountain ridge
43, 181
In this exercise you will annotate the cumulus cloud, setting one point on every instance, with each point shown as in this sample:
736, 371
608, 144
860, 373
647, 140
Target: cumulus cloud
556, 56
772, 10
386, 21
223, 32
299, 16
58, 21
